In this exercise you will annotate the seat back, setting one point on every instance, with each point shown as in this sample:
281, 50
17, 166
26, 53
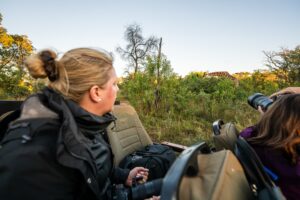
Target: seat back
7, 106
224, 135
199, 174
128, 134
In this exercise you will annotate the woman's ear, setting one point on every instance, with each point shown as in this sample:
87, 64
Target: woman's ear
95, 94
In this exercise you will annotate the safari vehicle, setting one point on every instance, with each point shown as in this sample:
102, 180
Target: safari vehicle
198, 172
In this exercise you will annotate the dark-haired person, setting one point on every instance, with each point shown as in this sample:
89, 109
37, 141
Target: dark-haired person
276, 140
57, 148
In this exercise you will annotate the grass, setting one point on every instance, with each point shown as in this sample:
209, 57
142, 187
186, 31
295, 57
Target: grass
188, 129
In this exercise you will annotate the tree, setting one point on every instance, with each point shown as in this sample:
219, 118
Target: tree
286, 64
14, 81
137, 48
158, 68
13, 48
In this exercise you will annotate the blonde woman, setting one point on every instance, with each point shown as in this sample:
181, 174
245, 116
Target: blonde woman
57, 147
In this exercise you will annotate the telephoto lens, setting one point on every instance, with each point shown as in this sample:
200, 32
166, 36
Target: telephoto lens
258, 99
138, 192
146, 190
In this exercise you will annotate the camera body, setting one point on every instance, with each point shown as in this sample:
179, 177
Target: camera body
258, 99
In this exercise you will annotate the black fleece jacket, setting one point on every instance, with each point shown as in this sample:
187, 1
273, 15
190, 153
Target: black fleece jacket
65, 155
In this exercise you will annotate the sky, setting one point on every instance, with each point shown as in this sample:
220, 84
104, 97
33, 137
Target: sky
198, 35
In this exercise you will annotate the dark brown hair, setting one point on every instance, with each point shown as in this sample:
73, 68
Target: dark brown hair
279, 127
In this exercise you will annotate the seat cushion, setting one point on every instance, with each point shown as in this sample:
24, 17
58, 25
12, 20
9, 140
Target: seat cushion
227, 137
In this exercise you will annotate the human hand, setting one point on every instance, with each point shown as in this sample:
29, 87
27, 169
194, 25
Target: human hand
288, 90
154, 198
137, 172
260, 110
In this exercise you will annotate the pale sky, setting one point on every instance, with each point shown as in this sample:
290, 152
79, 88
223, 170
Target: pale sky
198, 35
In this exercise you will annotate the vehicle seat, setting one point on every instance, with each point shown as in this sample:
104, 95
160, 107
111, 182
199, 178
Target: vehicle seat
8, 106
224, 135
127, 134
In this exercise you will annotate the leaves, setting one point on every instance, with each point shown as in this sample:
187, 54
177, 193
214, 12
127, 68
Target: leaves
286, 64
189, 105
14, 81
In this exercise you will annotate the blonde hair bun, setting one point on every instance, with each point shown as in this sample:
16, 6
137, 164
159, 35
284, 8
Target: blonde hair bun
43, 65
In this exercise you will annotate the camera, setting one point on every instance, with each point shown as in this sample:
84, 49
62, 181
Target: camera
258, 99
138, 192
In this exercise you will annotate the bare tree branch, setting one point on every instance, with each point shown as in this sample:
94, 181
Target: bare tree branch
137, 48
286, 64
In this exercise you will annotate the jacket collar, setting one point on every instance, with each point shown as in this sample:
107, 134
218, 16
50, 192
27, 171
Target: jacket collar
87, 121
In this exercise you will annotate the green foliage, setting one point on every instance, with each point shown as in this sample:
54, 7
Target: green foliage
189, 105
14, 81
162, 68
